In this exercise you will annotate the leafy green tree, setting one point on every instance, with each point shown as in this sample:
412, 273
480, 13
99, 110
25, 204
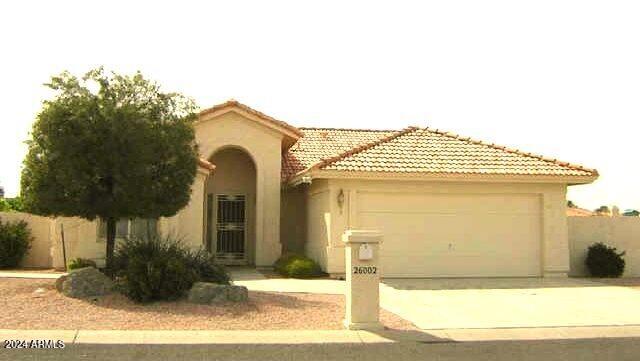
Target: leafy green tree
631, 213
110, 146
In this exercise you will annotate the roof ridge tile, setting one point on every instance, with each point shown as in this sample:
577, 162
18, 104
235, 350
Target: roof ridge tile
350, 129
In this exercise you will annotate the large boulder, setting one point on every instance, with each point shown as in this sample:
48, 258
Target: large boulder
84, 282
211, 293
206, 293
237, 293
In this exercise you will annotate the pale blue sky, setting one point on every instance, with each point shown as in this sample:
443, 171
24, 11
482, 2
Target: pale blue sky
559, 78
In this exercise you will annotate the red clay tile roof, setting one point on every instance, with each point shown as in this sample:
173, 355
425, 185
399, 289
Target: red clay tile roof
414, 150
206, 164
322, 143
235, 103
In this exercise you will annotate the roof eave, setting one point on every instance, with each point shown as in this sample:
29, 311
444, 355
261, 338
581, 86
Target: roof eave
447, 177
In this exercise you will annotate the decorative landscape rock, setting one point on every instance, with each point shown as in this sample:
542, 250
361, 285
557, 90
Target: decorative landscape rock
84, 282
211, 293
205, 293
237, 293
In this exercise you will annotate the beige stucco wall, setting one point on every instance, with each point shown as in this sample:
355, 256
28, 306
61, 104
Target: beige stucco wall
80, 240
46, 250
293, 219
40, 253
318, 218
620, 232
323, 207
264, 146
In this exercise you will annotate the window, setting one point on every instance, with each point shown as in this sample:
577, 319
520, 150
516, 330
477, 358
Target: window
130, 228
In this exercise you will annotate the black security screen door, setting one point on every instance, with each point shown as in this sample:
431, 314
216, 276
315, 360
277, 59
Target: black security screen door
231, 217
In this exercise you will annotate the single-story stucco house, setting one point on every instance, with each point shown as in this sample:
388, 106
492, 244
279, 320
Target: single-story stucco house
447, 206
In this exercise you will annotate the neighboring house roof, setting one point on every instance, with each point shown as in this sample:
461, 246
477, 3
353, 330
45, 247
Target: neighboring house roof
414, 150
579, 212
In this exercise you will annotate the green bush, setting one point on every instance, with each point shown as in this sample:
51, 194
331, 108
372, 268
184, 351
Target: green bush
155, 268
297, 266
604, 261
81, 263
11, 205
206, 268
15, 242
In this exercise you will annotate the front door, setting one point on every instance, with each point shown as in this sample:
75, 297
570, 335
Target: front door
230, 243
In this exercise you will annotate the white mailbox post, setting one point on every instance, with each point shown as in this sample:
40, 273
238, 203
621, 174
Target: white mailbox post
363, 278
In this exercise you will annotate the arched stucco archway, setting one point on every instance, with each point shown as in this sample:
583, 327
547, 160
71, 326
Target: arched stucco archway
230, 207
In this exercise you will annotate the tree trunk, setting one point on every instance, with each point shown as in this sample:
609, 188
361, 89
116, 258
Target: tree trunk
111, 243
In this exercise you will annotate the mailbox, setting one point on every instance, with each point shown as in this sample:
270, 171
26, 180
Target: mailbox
362, 273
365, 252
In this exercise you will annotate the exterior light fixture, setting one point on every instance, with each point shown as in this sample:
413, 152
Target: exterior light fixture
341, 199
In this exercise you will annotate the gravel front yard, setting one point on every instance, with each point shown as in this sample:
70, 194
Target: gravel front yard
25, 308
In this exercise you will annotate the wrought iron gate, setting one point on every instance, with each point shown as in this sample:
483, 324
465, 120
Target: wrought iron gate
231, 229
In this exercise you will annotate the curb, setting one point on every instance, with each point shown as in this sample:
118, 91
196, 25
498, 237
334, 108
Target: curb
274, 337
290, 337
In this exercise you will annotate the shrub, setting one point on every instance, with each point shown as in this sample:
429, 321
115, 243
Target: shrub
297, 266
11, 204
15, 242
81, 263
206, 268
604, 261
155, 268
4, 205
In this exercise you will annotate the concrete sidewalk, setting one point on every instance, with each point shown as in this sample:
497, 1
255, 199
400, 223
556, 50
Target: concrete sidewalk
293, 337
214, 337
28, 274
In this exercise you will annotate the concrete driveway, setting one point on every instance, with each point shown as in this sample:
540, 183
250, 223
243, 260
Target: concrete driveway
485, 303
498, 303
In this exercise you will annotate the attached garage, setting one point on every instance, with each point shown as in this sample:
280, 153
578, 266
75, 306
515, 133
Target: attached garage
447, 206
455, 235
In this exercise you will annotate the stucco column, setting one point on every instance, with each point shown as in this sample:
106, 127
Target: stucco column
268, 246
363, 280
555, 244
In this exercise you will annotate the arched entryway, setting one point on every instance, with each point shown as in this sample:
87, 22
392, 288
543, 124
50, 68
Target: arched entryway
230, 215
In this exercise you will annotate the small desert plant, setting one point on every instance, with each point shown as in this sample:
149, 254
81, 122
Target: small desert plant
162, 268
297, 266
151, 269
15, 242
81, 263
206, 268
604, 261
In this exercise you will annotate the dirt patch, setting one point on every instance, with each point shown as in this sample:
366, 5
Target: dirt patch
35, 304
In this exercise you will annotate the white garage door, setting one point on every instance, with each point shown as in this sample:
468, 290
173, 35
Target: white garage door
455, 235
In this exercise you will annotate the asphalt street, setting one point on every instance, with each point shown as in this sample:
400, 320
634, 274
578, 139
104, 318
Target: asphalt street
618, 349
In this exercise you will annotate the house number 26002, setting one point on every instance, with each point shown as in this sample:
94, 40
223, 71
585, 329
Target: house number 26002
365, 270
